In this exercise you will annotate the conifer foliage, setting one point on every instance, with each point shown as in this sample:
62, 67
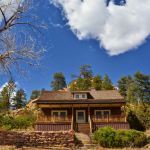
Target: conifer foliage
136, 88
6, 95
85, 80
59, 81
20, 99
35, 94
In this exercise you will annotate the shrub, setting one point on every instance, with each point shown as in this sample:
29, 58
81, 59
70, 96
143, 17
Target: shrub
110, 138
18, 122
8, 127
106, 137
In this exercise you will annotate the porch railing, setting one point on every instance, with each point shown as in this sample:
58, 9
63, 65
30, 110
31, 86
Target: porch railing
54, 118
108, 118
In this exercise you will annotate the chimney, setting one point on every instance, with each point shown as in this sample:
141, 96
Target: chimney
93, 89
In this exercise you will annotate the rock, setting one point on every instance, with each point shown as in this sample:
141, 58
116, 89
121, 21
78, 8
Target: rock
64, 145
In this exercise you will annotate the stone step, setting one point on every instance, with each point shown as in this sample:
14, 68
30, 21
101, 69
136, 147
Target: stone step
87, 145
84, 136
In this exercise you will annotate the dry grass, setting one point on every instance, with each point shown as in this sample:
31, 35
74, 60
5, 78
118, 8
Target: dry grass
29, 129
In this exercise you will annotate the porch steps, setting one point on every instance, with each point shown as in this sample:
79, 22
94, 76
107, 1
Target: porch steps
82, 127
85, 141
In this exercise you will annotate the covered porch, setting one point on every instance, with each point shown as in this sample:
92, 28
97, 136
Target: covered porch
71, 115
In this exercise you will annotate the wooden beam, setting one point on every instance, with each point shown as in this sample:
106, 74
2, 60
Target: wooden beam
60, 106
88, 111
110, 105
72, 111
100, 105
107, 118
72, 118
37, 112
125, 113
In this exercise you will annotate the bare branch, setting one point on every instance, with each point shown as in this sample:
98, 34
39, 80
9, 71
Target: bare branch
17, 46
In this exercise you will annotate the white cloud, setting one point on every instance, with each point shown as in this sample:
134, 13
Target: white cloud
55, 25
3, 86
8, 7
118, 28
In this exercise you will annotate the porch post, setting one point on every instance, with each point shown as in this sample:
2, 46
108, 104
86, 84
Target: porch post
72, 118
107, 118
125, 113
37, 113
88, 112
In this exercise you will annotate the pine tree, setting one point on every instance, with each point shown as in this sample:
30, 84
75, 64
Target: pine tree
59, 81
7, 95
97, 82
42, 90
84, 71
19, 99
131, 96
106, 83
122, 86
142, 86
35, 94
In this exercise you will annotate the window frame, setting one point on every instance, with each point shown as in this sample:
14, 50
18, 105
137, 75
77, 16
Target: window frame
80, 96
102, 112
84, 95
58, 112
77, 95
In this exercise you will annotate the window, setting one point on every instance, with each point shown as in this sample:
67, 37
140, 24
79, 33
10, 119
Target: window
98, 113
80, 96
83, 96
59, 112
102, 112
77, 96
106, 112
63, 113
80, 115
55, 113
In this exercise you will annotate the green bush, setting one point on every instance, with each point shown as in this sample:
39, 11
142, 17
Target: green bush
20, 122
8, 127
110, 138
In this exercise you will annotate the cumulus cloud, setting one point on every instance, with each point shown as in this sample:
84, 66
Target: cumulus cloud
118, 28
8, 7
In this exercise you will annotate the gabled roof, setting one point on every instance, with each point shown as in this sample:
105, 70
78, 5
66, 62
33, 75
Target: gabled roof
57, 97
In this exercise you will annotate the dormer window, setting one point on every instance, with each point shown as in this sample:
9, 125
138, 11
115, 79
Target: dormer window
76, 96
83, 96
80, 96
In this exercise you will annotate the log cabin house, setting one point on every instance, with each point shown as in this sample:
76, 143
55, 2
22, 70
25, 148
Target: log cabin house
82, 111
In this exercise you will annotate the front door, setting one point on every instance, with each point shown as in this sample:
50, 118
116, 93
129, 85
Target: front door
80, 116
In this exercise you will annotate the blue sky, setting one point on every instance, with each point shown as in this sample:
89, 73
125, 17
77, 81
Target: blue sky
118, 55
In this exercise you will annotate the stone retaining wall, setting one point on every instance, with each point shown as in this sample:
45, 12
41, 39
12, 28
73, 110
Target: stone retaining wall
37, 139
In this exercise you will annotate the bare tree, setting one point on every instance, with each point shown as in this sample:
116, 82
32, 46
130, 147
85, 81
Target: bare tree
18, 45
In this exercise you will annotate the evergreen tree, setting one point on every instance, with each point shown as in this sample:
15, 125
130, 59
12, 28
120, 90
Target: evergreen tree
80, 84
35, 94
19, 99
97, 82
7, 95
135, 88
42, 90
73, 86
59, 81
84, 71
122, 86
142, 86
83, 81
106, 83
